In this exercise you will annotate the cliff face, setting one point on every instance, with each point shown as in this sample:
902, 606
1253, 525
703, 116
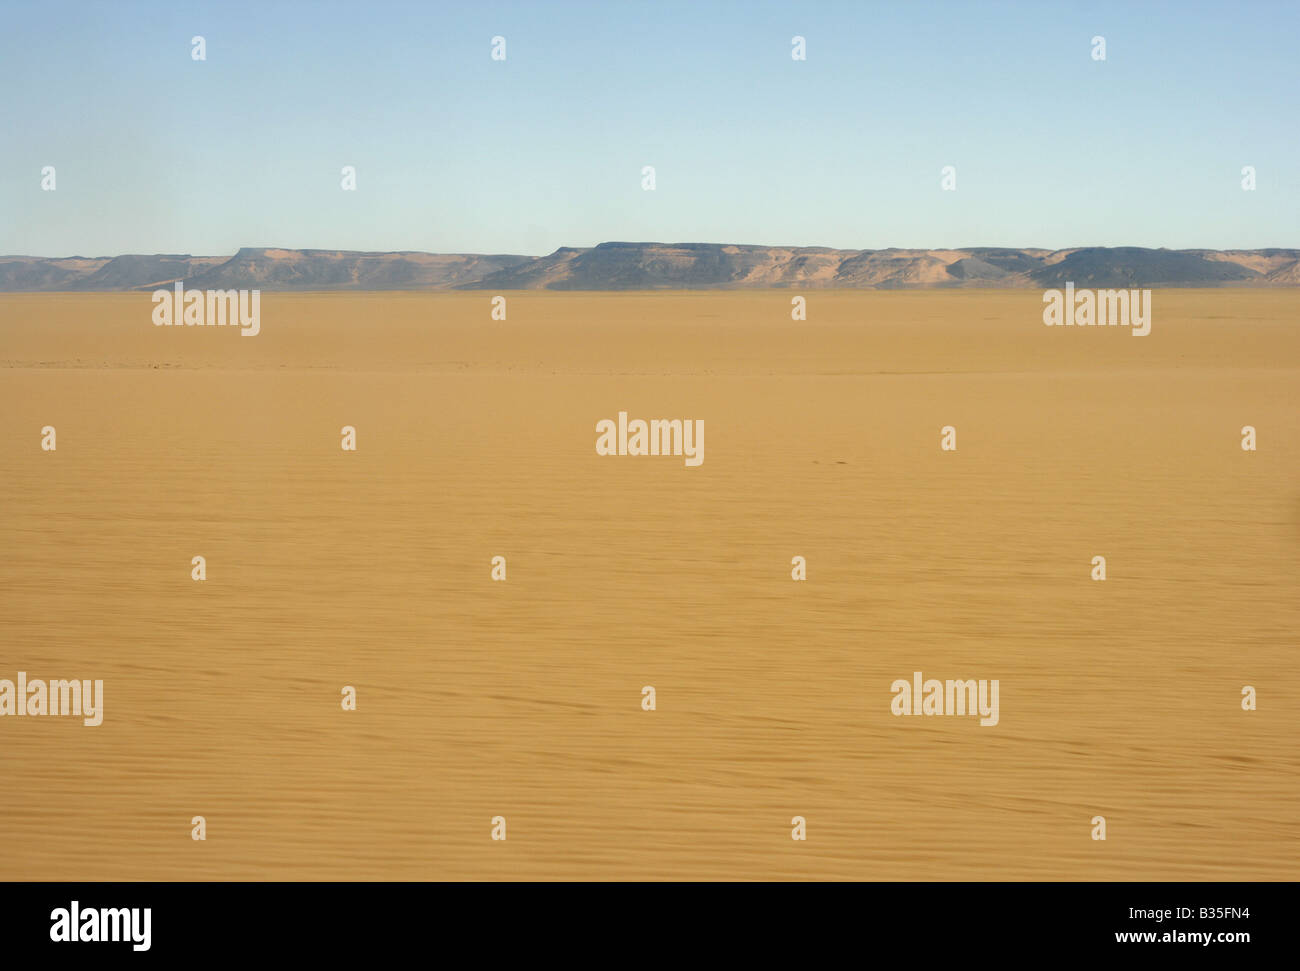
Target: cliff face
651, 266
637, 266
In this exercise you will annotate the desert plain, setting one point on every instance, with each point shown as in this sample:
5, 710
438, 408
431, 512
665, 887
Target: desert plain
522, 699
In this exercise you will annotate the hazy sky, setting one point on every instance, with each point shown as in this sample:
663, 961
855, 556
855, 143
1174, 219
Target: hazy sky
455, 152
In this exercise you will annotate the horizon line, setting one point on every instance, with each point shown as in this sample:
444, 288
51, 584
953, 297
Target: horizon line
620, 242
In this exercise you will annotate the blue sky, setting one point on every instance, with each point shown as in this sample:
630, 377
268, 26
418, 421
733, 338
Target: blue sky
455, 152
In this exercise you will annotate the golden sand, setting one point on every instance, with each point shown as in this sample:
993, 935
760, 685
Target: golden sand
522, 699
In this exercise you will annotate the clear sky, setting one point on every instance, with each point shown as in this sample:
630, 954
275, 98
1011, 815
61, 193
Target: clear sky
455, 152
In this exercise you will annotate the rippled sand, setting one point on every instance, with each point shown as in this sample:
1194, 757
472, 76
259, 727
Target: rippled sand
522, 699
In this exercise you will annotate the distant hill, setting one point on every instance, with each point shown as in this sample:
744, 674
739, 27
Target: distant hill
288, 269
651, 266
252, 268
667, 266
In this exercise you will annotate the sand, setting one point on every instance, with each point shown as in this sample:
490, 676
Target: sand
523, 698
